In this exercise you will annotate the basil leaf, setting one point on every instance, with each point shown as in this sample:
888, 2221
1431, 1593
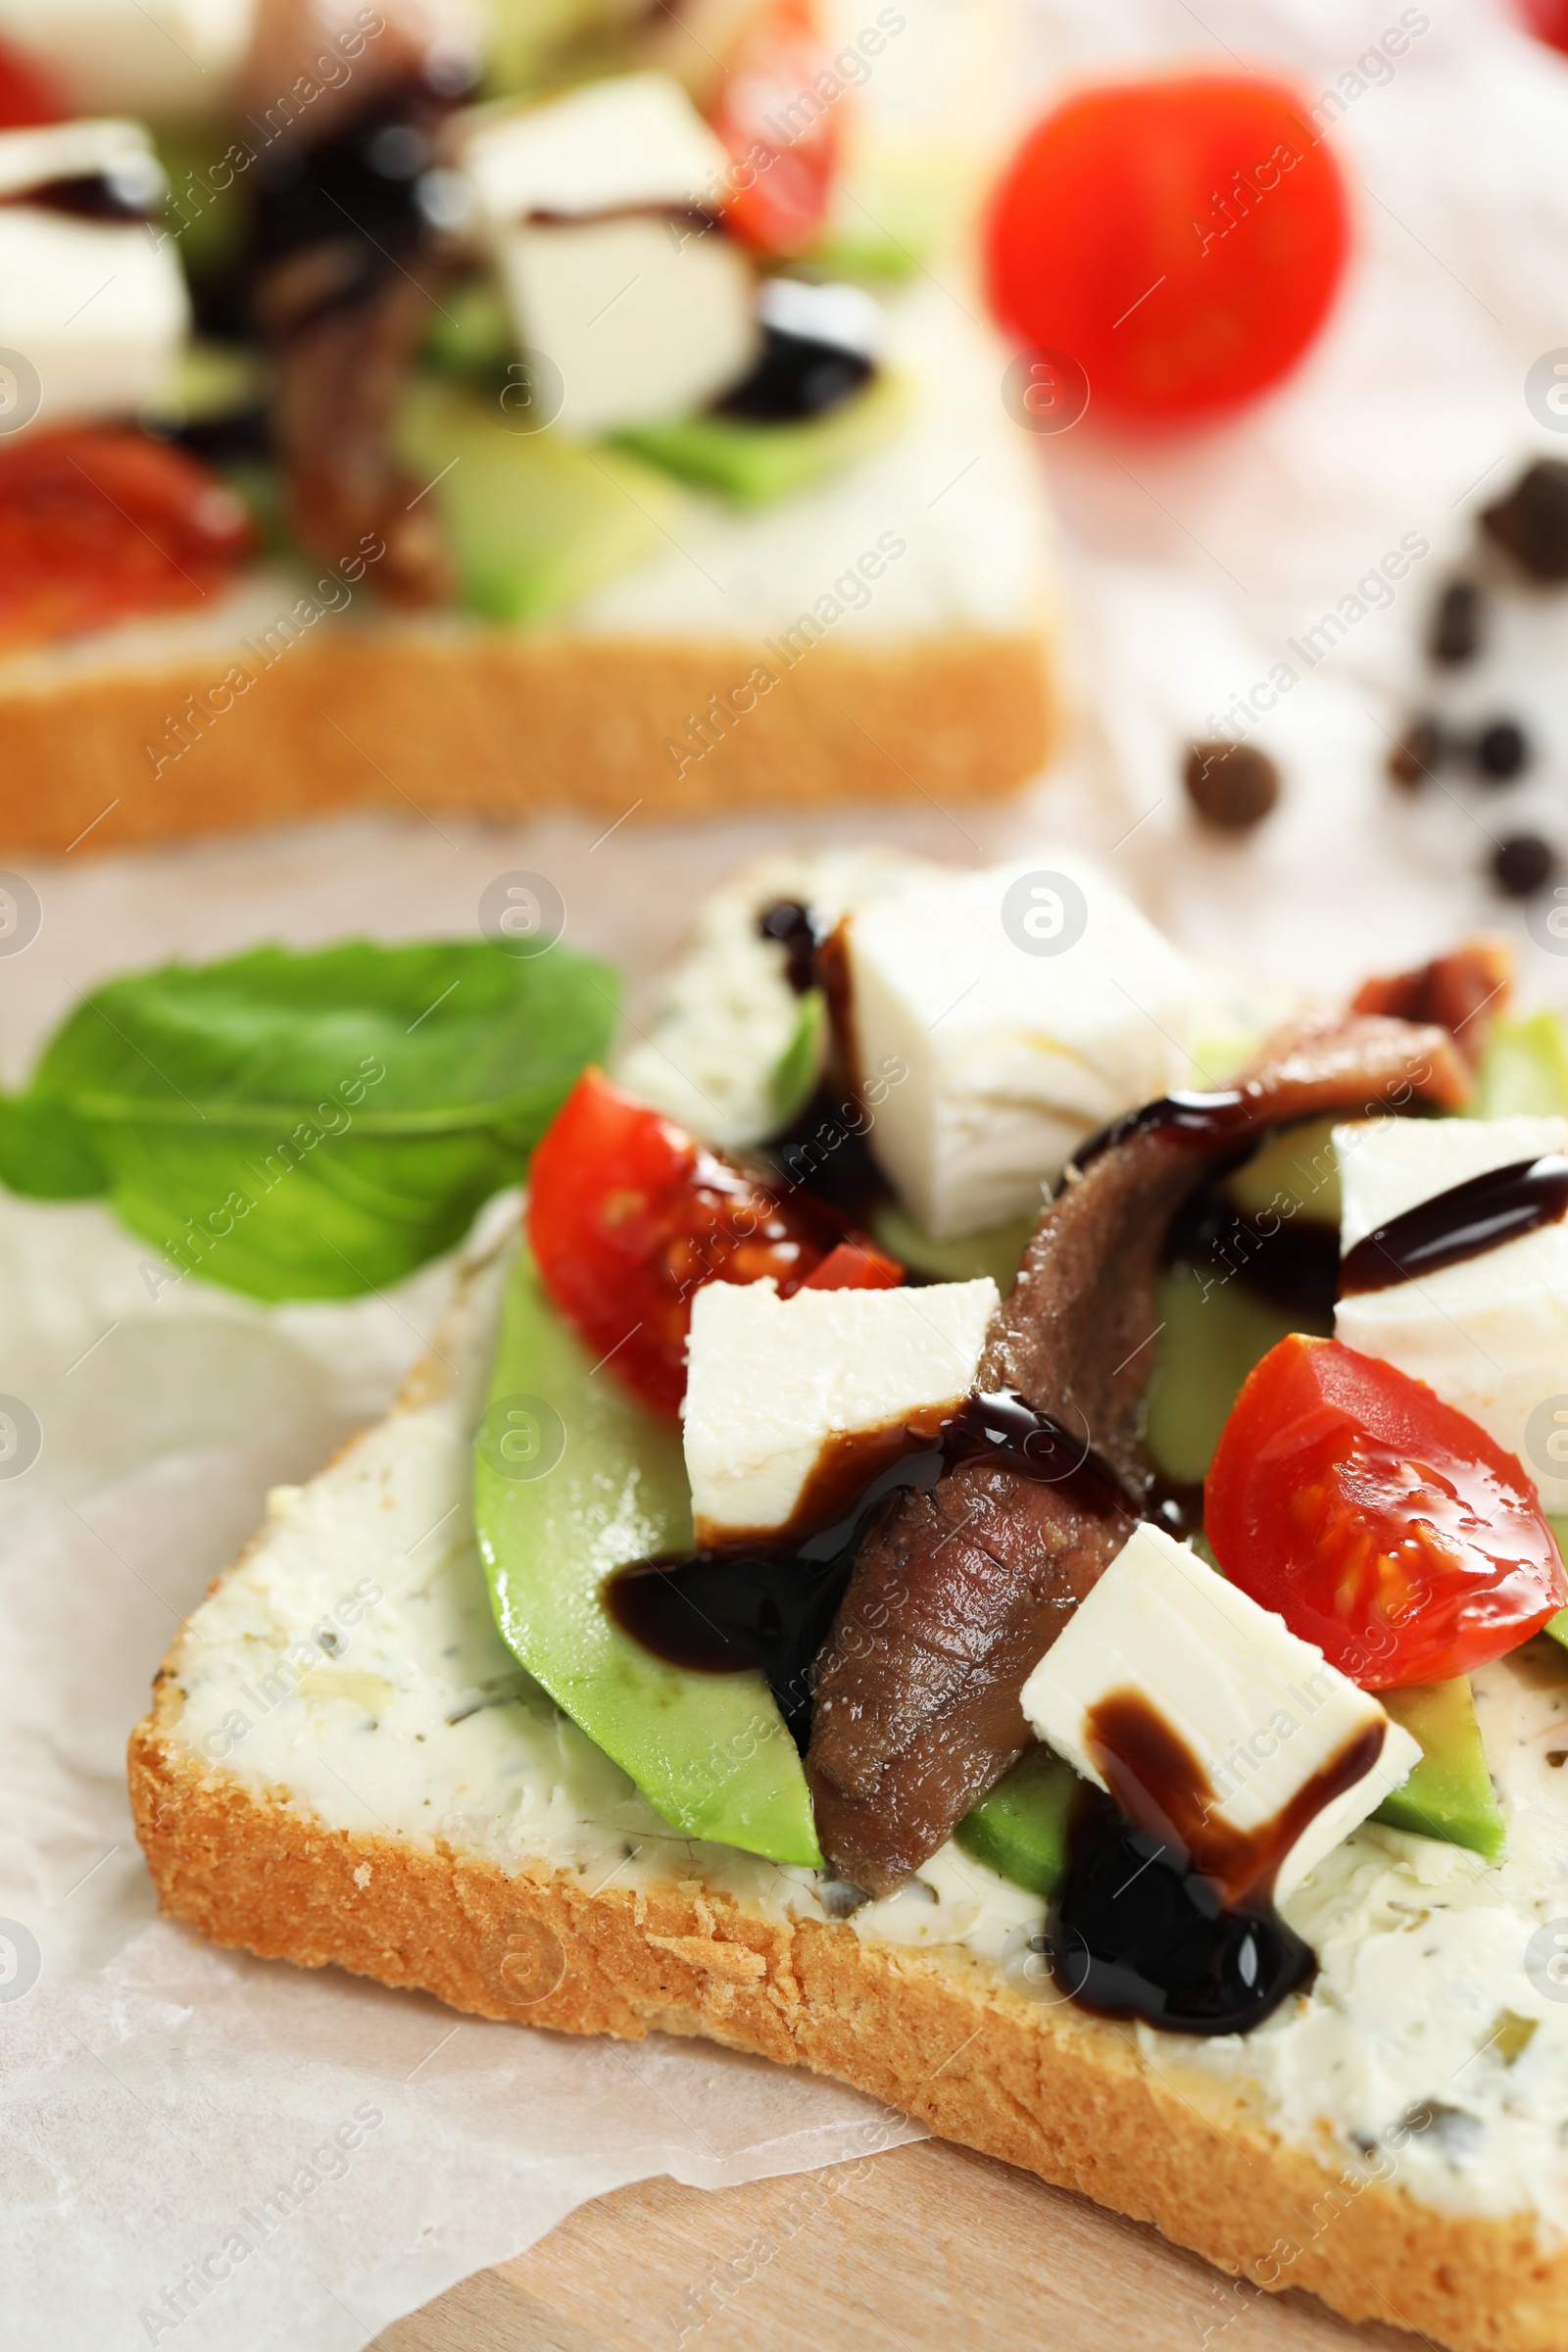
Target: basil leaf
307, 1126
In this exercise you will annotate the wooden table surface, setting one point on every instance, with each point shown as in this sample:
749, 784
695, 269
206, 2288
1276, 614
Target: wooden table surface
925, 2246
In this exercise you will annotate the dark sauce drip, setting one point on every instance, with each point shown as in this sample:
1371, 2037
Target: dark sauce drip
791, 924
1468, 1219
1175, 1504
1167, 1912
228, 439
768, 1601
357, 188
1133, 1933
86, 196
695, 216
825, 1151
1294, 1263
795, 378
1201, 1121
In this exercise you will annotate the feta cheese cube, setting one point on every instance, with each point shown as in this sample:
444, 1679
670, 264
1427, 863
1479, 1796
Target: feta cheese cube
632, 140
161, 58
1490, 1334
586, 202
1012, 1058
1261, 1711
772, 1381
99, 308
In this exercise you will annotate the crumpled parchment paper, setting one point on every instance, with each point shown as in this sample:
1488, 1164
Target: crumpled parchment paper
200, 2147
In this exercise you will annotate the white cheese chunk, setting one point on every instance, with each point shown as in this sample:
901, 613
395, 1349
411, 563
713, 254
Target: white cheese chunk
1010, 1057
772, 1381
1261, 1711
161, 58
642, 318
97, 309
1490, 1334
586, 203
632, 139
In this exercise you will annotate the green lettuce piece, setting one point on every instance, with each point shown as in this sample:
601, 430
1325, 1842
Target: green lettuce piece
573, 1479
306, 1126
799, 1067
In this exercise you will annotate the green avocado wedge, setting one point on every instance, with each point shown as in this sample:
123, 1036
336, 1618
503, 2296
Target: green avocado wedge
1449, 1793
996, 1250
1212, 1331
1524, 1070
1019, 1827
532, 521
574, 1477
755, 463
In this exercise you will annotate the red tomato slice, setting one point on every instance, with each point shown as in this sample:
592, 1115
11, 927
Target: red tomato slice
628, 1215
1547, 19
1377, 1521
1180, 239
98, 522
27, 96
781, 131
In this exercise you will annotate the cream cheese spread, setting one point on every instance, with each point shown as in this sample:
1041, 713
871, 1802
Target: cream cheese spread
349, 1666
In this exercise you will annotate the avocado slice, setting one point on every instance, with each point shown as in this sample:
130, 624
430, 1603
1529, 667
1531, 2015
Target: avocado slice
755, 463
533, 521
1557, 1627
1019, 1827
995, 1251
1212, 1335
1295, 1172
1524, 1070
710, 1750
1449, 1793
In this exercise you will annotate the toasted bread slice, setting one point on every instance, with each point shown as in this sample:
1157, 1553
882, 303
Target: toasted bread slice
890, 634
344, 1765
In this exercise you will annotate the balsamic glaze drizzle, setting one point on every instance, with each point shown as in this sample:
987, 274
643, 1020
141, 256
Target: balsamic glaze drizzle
1201, 1122
86, 196
1133, 1932
1166, 1910
795, 378
1479, 1214
790, 922
767, 1602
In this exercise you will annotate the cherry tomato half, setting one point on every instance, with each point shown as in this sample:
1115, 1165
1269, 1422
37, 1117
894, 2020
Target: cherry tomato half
1377, 1521
99, 523
1181, 240
27, 96
781, 131
628, 1215
1547, 19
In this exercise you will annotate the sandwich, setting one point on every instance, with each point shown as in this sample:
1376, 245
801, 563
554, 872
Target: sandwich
1014, 1563
583, 407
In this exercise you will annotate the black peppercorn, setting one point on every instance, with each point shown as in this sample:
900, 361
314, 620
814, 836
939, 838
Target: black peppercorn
1532, 522
1457, 624
1233, 785
1501, 751
1416, 755
1522, 864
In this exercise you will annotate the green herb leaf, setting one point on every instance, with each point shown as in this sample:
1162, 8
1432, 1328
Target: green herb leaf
307, 1126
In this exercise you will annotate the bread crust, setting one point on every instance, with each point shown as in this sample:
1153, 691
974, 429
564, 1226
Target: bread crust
931, 2033
504, 722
